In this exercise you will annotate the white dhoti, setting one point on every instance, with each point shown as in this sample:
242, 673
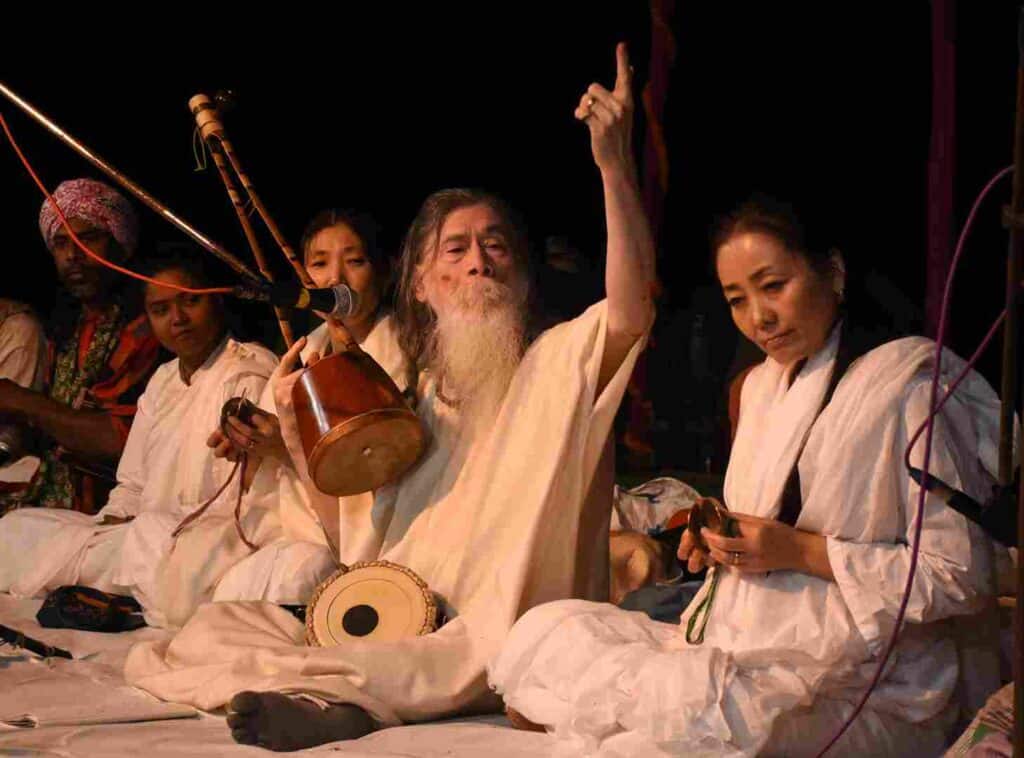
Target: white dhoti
41, 549
284, 572
165, 473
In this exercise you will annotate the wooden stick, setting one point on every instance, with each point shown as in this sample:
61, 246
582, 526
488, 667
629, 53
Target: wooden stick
129, 185
209, 128
288, 250
212, 131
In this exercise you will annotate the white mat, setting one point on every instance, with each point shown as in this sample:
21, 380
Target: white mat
59, 689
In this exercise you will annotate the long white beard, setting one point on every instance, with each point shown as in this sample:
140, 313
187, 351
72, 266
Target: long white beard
478, 344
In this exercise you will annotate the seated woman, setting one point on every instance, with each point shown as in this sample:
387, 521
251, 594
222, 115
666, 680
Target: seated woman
165, 474
808, 592
339, 247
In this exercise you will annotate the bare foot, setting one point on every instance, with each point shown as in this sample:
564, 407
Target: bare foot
282, 723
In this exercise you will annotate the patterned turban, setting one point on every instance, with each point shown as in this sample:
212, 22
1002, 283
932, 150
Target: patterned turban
95, 203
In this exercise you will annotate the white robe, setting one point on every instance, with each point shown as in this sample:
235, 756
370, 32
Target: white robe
788, 651
23, 361
289, 569
22, 345
166, 471
491, 537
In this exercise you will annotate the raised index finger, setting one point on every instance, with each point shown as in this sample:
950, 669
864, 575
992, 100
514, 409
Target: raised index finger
623, 74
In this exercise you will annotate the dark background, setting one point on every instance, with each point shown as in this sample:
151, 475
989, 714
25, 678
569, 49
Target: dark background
377, 108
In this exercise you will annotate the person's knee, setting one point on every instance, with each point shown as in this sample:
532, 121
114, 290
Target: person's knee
285, 573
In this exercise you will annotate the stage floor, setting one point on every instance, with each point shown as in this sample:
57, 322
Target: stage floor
93, 682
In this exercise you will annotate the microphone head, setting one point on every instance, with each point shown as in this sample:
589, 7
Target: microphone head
346, 301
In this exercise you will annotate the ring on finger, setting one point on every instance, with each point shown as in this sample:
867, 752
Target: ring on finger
734, 557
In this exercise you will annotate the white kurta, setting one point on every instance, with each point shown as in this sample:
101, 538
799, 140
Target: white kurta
788, 651
22, 345
492, 538
289, 569
23, 361
165, 472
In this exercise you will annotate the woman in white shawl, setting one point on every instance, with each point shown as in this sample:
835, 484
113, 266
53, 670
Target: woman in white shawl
339, 247
808, 592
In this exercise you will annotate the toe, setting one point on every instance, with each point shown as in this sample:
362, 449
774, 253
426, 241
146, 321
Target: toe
243, 736
244, 702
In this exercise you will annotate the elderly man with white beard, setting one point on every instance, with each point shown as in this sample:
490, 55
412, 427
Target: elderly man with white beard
490, 516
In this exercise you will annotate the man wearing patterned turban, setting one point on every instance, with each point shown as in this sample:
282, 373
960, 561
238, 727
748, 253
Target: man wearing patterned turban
101, 351
103, 220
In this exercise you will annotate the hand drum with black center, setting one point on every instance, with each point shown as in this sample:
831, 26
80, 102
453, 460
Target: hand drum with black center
375, 600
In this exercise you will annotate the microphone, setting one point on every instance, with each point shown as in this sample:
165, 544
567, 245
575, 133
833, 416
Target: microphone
339, 301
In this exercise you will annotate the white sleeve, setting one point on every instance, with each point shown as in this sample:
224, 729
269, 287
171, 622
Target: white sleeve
22, 350
207, 474
954, 574
248, 374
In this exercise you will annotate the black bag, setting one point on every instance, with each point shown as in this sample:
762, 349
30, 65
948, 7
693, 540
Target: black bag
91, 610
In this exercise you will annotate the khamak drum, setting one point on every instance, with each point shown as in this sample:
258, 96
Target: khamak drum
375, 600
710, 513
357, 431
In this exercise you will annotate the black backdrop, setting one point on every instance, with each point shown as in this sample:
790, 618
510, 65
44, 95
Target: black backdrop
374, 107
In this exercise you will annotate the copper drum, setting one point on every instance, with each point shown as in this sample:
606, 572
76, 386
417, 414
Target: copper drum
357, 431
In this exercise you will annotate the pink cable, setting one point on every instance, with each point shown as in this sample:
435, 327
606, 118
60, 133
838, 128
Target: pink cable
928, 426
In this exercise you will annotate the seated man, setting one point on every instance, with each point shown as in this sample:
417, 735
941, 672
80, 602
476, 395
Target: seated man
165, 474
22, 345
23, 362
102, 355
489, 517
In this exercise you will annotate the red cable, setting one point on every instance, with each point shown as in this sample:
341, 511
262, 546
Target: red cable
243, 464
84, 248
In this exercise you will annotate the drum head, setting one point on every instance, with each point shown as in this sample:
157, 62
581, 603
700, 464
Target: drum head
377, 601
366, 452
